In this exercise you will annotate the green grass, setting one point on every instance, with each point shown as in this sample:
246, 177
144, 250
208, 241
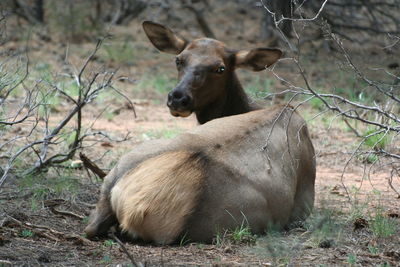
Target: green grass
316, 104
108, 243
106, 259
259, 87
324, 227
373, 250
383, 226
352, 259
240, 235
276, 247
375, 141
71, 22
183, 241
27, 233
166, 133
120, 52
44, 186
156, 85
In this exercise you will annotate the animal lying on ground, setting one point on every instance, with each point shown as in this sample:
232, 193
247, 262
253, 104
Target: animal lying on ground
255, 169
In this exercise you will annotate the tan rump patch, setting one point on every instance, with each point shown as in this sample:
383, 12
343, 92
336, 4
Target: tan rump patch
154, 200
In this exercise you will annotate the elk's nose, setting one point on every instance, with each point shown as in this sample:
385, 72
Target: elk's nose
178, 100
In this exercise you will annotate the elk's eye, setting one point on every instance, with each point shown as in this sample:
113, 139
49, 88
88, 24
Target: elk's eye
220, 69
178, 62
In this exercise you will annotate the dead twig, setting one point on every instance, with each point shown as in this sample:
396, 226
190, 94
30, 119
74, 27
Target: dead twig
351, 128
200, 20
54, 233
87, 163
134, 263
67, 213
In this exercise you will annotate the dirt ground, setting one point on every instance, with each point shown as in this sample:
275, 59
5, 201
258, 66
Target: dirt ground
57, 223
42, 220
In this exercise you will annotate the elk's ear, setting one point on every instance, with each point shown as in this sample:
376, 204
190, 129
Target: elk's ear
257, 59
163, 38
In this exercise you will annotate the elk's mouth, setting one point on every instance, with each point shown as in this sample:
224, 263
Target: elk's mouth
180, 113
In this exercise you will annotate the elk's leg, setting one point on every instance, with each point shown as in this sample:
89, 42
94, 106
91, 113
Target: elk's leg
101, 219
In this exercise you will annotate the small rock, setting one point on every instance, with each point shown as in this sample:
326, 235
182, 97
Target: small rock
326, 243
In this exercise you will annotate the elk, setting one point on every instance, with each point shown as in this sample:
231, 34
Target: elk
243, 165
208, 84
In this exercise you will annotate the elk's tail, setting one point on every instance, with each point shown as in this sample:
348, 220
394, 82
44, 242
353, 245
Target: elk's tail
154, 200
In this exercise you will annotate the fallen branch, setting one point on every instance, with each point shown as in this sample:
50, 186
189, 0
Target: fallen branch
56, 233
134, 263
64, 212
88, 164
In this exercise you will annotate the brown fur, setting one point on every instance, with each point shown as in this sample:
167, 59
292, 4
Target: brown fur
234, 182
154, 200
256, 168
201, 88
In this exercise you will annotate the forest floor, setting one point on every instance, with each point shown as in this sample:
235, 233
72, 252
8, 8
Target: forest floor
356, 220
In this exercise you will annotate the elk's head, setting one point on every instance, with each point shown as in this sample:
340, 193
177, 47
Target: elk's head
205, 67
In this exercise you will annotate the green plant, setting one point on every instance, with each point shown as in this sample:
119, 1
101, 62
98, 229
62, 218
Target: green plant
373, 250
109, 115
375, 140
167, 133
42, 186
85, 220
109, 243
74, 19
323, 227
277, 247
352, 259
383, 226
371, 158
200, 246
242, 234
259, 87
158, 85
27, 233
106, 259
120, 52
219, 239
183, 240
316, 103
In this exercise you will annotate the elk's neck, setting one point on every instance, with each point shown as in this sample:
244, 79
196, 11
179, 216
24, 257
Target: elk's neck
234, 102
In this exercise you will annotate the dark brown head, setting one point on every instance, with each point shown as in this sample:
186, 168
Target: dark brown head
205, 68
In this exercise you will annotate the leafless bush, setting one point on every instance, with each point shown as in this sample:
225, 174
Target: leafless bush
31, 139
372, 16
350, 19
379, 144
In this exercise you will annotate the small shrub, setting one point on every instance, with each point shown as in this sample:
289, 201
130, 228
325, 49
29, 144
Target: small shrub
27, 233
72, 20
377, 141
373, 250
120, 52
383, 226
259, 87
44, 186
106, 259
109, 243
352, 259
317, 104
240, 235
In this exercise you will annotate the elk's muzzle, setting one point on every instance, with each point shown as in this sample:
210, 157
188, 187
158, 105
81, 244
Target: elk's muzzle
180, 104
